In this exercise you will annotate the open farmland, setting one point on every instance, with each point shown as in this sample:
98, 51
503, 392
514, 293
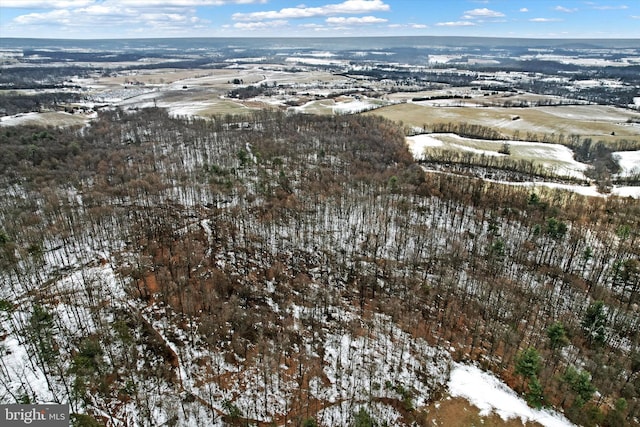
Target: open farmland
599, 122
477, 108
51, 118
218, 77
629, 162
471, 96
340, 105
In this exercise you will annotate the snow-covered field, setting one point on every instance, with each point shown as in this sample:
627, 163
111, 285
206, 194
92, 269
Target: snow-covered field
557, 158
600, 113
626, 191
19, 119
23, 373
418, 143
447, 102
589, 62
52, 118
490, 394
345, 105
629, 162
353, 106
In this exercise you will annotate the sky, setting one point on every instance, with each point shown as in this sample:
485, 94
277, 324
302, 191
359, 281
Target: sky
92, 19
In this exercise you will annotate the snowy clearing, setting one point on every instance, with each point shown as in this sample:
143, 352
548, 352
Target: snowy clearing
418, 143
626, 191
490, 394
555, 157
354, 106
588, 62
24, 375
344, 105
18, 119
50, 118
476, 150
584, 190
629, 162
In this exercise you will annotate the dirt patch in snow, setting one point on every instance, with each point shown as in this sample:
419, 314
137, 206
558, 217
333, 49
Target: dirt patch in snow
458, 412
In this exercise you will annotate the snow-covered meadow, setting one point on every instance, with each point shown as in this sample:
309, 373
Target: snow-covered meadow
557, 158
629, 162
491, 395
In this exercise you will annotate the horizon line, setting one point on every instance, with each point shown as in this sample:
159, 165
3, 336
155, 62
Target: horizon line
320, 37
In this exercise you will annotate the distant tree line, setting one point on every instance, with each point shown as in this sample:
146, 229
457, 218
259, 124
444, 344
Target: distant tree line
13, 102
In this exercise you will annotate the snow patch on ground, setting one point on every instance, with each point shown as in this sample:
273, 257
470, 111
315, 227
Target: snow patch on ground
188, 108
418, 143
24, 376
629, 162
586, 62
477, 151
490, 394
626, 191
555, 157
47, 118
18, 119
351, 107
585, 190
447, 102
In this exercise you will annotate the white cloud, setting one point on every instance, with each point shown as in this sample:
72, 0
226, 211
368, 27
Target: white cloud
117, 15
313, 26
62, 16
45, 4
565, 9
455, 24
341, 20
102, 10
347, 7
70, 4
524, 10
93, 15
482, 13
545, 20
610, 7
159, 17
182, 3
410, 25
260, 25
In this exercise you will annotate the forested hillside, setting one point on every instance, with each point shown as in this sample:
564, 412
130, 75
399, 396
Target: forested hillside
298, 269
